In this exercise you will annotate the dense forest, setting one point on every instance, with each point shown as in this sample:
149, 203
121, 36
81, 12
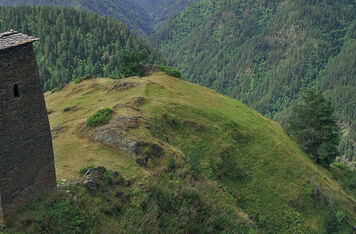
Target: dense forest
162, 10
267, 53
126, 11
74, 43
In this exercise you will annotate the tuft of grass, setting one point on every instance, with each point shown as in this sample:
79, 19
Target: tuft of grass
55, 90
84, 170
101, 117
80, 79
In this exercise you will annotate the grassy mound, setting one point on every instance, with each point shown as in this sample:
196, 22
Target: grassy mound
225, 167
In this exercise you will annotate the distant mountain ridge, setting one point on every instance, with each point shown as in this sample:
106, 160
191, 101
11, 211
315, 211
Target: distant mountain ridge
162, 10
126, 11
267, 53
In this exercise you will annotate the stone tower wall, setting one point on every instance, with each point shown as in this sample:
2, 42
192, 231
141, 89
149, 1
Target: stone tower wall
26, 152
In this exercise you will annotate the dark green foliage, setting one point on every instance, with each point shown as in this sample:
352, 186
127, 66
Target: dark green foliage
161, 10
194, 163
346, 175
54, 90
101, 117
313, 124
84, 170
108, 177
266, 53
170, 70
132, 62
126, 11
334, 222
171, 163
74, 43
80, 79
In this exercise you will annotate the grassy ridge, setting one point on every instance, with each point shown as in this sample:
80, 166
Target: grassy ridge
232, 166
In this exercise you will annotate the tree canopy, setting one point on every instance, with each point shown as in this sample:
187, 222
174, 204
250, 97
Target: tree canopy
267, 53
74, 43
313, 123
131, 14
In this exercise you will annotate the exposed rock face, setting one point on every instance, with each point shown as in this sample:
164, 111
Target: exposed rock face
122, 85
126, 122
97, 176
147, 151
114, 134
57, 131
112, 137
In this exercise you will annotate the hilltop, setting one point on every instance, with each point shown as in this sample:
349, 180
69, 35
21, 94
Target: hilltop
189, 160
267, 53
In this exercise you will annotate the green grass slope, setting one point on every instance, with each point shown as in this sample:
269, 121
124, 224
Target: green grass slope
267, 53
224, 167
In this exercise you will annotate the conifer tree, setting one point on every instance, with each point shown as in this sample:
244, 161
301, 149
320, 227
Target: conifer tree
132, 62
313, 124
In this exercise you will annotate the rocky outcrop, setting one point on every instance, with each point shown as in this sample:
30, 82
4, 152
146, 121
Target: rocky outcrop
114, 135
57, 131
97, 177
122, 85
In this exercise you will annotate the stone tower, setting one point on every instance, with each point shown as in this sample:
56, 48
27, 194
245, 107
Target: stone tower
26, 151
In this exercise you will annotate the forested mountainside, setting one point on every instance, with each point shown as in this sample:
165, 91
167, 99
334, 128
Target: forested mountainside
162, 10
267, 53
74, 43
126, 11
190, 160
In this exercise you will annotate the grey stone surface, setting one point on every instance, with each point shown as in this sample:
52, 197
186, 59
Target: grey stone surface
90, 185
115, 135
26, 153
95, 179
114, 138
123, 85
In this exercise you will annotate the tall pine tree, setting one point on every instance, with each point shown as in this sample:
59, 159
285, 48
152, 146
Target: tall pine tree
313, 124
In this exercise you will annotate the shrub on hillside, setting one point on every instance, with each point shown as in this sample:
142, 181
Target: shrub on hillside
345, 174
101, 117
55, 90
80, 79
170, 70
132, 62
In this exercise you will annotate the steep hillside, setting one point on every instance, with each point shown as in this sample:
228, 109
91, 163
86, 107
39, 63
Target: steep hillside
162, 10
266, 53
74, 43
126, 11
194, 161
